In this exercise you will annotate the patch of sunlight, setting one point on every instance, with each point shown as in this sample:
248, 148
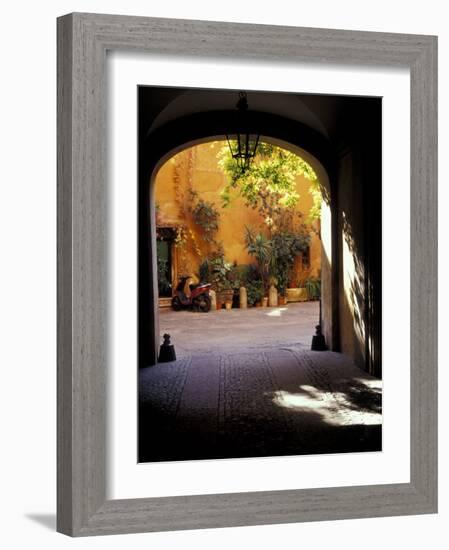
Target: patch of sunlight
326, 231
310, 399
333, 407
276, 312
371, 383
353, 286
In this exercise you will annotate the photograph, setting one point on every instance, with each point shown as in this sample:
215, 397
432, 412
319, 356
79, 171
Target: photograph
259, 274
221, 255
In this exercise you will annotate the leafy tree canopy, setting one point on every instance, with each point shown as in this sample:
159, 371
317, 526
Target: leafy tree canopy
269, 184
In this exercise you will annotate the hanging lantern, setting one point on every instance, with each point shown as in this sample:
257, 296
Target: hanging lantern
243, 146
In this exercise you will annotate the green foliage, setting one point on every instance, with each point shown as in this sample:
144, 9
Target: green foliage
269, 185
224, 276
204, 271
207, 217
243, 275
313, 287
286, 247
238, 276
317, 198
254, 292
162, 279
214, 270
181, 236
275, 256
261, 248
252, 273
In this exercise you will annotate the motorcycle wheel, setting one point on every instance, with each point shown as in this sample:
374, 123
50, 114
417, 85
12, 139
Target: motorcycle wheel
202, 303
176, 303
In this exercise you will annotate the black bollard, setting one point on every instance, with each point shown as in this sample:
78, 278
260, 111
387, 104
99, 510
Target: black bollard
167, 351
318, 341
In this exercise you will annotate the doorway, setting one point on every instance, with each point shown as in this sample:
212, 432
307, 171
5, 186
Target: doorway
166, 264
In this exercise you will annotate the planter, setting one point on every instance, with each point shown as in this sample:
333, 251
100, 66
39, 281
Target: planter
228, 306
224, 296
297, 294
265, 301
282, 300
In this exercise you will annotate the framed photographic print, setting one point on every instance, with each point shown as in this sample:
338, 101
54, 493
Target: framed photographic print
246, 274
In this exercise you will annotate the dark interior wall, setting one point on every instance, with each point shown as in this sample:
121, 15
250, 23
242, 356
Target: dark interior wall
372, 163
360, 232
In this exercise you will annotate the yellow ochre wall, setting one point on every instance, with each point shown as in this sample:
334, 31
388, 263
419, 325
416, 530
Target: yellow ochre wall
198, 166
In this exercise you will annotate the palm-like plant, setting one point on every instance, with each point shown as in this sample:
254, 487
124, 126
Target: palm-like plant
313, 287
261, 248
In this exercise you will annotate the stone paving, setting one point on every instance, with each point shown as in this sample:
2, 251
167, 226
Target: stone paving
256, 391
239, 329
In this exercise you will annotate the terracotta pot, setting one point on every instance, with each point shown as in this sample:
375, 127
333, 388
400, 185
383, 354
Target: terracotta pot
282, 300
224, 296
228, 305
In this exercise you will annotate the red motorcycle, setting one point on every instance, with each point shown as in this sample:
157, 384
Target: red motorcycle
198, 300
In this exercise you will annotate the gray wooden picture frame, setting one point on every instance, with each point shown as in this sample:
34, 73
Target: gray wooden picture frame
83, 40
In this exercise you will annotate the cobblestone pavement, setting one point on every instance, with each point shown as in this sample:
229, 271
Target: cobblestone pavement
269, 396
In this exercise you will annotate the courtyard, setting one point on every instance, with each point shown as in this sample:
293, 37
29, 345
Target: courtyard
235, 330
246, 384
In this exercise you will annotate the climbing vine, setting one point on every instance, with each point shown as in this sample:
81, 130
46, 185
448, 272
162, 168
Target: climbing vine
181, 236
185, 234
190, 166
206, 216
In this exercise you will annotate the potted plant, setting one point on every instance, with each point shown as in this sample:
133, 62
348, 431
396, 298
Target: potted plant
225, 293
164, 285
237, 278
313, 287
254, 291
214, 270
298, 292
282, 299
287, 245
260, 247
206, 215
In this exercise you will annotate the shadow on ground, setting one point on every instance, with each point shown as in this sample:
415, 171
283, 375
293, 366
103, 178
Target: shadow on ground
264, 402
46, 520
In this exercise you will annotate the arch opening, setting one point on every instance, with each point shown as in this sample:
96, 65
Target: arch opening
190, 175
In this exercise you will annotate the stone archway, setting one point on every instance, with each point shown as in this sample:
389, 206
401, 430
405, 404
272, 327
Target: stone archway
157, 147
